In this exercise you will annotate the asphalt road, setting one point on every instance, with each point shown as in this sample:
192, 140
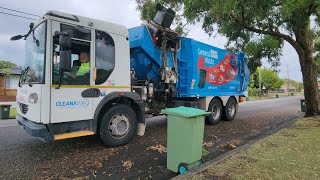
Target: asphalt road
25, 157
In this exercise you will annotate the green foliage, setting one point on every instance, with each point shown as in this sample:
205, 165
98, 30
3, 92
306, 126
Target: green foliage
269, 78
147, 9
7, 72
257, 27
7, 64
250, 26
293, 84
266, 47
254, 91
251, 84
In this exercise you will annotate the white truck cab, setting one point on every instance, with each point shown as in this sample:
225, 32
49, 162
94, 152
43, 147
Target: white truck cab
56, 102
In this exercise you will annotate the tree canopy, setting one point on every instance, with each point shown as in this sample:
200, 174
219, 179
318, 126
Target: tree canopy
294, 84
7, 64
269, 78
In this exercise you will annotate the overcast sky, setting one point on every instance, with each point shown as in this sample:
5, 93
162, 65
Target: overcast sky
121, 12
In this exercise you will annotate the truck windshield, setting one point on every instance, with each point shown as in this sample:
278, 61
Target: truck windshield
35, 55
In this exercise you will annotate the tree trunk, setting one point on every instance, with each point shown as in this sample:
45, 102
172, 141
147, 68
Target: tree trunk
311, 90
304, 48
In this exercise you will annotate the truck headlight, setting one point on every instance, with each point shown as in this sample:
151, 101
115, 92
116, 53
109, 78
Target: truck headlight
33, 98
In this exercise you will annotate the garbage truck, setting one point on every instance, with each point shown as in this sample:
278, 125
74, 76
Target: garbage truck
84, 76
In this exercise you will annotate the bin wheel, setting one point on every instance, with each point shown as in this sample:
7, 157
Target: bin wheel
183, 168
230, 110
201, 161
215, 107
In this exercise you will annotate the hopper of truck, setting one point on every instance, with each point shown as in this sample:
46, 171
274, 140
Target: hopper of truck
203, 70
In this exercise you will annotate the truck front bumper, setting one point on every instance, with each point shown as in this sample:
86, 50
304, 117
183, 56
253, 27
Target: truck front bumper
34, 129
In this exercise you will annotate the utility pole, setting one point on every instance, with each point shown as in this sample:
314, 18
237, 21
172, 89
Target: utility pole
260, 82
288, 85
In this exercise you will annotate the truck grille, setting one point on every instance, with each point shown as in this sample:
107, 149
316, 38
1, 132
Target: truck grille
23, 108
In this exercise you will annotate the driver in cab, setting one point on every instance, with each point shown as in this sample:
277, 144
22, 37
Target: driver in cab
85, 64
81, 68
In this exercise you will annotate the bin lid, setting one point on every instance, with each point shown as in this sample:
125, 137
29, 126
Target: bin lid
4, 105
185, 111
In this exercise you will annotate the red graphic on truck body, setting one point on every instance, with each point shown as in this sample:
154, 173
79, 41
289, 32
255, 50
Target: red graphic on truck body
221, 73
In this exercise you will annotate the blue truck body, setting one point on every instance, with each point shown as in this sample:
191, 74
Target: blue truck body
204, 70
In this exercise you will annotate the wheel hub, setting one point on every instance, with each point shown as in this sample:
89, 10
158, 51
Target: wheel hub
119, 125
231, 109
215, 112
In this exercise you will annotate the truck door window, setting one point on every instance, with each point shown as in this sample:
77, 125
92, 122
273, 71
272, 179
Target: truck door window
80, 70
105, 56
76, 32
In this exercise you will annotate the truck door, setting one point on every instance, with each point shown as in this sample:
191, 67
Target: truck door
72, 101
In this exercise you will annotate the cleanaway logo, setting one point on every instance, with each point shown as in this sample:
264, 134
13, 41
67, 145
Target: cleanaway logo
81, 103
211, 53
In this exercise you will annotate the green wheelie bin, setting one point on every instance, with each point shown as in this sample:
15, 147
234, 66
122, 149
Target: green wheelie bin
184, 137
4, 111
303, 105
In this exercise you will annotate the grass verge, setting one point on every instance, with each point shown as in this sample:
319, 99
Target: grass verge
292, 153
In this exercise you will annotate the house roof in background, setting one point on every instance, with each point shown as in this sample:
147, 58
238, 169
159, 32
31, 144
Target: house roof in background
13, 71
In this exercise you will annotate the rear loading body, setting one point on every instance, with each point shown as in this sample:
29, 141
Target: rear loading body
209, 71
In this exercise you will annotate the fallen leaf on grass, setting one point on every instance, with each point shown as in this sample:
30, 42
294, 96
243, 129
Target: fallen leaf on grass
157, 147
127, 164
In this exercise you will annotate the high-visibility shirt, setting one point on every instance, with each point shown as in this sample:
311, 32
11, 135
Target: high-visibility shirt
83, 69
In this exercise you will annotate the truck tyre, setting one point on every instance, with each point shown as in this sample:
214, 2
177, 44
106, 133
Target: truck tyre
230, 110
215, 107
118, 125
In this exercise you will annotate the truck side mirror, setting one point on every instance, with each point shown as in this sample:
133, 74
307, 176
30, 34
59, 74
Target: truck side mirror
65, 60
17, 37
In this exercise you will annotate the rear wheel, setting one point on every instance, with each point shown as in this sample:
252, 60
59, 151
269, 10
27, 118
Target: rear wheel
118, 125
215, 107
230, 110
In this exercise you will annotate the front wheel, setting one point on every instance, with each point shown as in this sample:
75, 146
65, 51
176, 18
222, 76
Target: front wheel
118, 125
230, 110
